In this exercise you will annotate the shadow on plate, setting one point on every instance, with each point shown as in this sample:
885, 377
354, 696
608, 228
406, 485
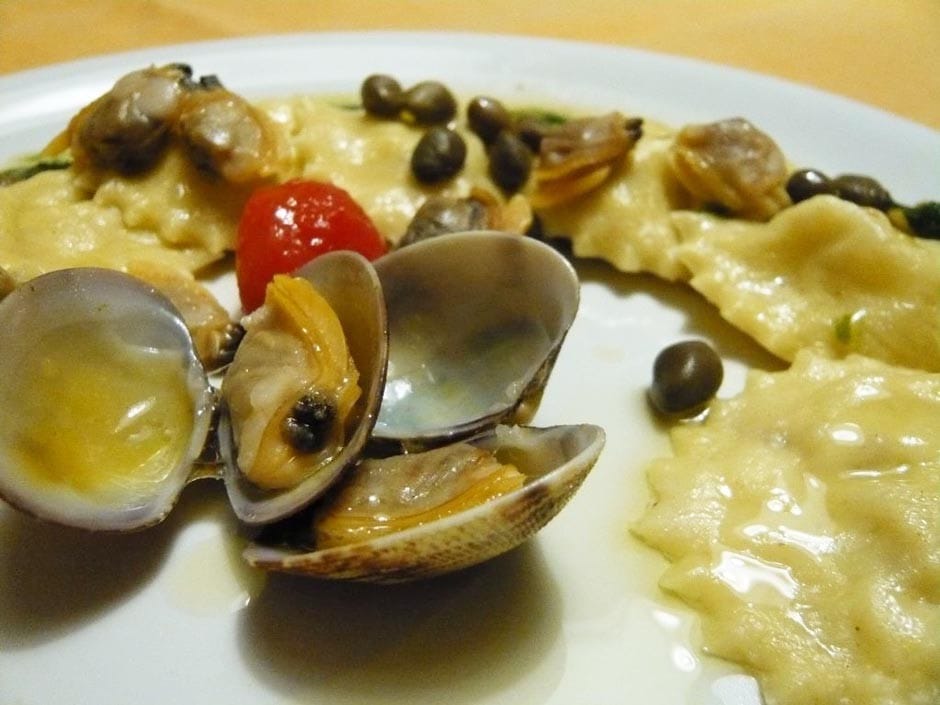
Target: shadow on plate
56, 578
461, 638
702, 319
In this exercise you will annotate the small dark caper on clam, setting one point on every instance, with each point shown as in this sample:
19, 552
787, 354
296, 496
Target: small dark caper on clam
686, 376
488, 117
510, 161
862, 190
806, 183
308, 424
438, 156
231, 339
382, 96
429, 103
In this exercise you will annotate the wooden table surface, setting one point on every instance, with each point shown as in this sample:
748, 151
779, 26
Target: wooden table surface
882, 52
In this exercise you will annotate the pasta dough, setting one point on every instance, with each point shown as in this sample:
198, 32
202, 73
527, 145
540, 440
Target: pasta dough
369, 158
626, 220
175, 215
802, 519
823, 273
48, 222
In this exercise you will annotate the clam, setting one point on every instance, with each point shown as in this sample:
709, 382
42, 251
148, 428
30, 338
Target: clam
475, 321
302, 393
104, 405
430, 353
391, 521
107, 409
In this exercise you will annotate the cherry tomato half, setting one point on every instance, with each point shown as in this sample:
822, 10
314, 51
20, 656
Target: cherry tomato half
285, 226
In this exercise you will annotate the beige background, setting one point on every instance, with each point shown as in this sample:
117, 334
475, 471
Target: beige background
882, 52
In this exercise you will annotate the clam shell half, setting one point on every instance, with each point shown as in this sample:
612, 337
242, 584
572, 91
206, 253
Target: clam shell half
82, 349
476, 320
555, 461
349, 284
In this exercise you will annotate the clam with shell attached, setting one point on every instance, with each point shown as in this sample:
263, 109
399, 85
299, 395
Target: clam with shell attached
476, 321
394, 376
423, 514
319, 344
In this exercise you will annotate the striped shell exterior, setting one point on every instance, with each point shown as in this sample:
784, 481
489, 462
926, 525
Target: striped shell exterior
555, 460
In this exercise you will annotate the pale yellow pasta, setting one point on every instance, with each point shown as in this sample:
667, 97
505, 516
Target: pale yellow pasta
48, 222
626, 220
184, 217
824, 273
176, 215
802, 519
370, 158
184, 207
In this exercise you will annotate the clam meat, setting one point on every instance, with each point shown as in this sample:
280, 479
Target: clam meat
302, 393
423, 514
378, 398
130, 127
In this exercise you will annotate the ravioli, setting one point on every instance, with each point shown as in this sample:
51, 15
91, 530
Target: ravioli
182, 206
626, 220
369, 158
176, 215
48, 222
802, 519
823, 273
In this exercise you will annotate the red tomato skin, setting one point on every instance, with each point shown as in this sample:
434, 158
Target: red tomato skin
286, 225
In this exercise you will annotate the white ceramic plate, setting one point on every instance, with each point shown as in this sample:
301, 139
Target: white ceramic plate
171, 616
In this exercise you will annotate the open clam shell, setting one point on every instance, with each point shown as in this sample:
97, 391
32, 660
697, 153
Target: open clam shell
104, 405
555, 461
350, 286
475, 320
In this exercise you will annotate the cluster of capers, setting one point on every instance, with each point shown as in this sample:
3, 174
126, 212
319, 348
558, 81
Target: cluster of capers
922, 220
441, 152
425, 103
308, 424
859, 189
686, 375
510, 144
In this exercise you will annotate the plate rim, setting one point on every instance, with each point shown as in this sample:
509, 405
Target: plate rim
104, 64
440, 38
845, 134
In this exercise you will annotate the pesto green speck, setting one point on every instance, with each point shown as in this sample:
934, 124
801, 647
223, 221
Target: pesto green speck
843, 329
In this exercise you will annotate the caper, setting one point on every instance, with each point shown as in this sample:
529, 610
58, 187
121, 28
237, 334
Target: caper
923, 219
510, 161
231, 339
439, 155
308, 424
862, 190
382, 95
488, 117
686, 376
430, 103
806, 183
